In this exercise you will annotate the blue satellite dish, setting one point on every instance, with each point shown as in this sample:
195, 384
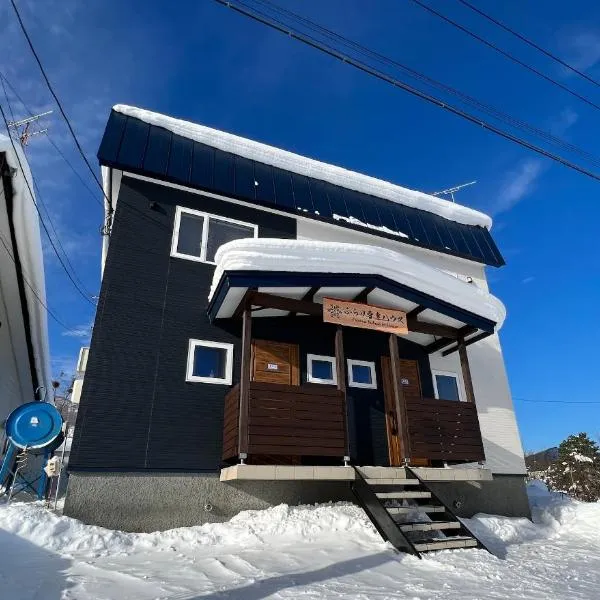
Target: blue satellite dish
34, 425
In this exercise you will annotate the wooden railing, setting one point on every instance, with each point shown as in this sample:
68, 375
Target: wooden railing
306, 420
443, 430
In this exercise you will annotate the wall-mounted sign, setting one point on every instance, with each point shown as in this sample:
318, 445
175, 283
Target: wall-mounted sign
364, 316
272, 367
404, 381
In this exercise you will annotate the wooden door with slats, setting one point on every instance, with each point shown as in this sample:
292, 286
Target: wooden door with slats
410, 378
391, 421
275, 362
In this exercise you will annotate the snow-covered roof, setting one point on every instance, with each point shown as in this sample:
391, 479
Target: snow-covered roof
309, 167
300, 256
29, 251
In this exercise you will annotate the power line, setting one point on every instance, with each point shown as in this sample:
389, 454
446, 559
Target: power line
529, 42
559, 401
4, 80
33, 290
481, 106
58, 103
41, 200
83, 294
277, 25
504, 53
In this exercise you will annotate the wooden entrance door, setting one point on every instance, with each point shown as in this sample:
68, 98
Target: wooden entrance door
411, 388
275, 362
391, 421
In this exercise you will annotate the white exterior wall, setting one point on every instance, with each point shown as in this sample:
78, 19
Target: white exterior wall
501, 439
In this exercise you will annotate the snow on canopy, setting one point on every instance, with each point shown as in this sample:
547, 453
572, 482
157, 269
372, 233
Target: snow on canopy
309, 167
29, 250
266, 254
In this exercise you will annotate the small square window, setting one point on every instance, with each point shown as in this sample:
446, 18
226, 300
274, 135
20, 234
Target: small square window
321, 369
446, 386
210, 362
361, 374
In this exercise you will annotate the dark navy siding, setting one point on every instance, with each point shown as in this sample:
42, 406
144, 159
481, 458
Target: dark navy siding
133, 145
137, 412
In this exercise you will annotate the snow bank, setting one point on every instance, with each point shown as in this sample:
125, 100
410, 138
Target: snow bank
265, 254
309, 167
31, 521
29, 247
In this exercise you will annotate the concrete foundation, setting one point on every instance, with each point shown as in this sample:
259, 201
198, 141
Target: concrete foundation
145, 503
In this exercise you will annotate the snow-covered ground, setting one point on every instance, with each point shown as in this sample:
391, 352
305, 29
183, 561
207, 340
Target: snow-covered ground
327, 551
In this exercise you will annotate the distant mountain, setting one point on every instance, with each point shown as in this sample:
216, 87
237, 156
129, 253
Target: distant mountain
540, 461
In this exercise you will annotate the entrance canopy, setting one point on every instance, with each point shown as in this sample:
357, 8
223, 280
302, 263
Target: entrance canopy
291, 278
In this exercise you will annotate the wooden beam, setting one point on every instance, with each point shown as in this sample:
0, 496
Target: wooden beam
466, 371
308, 297
431, 328
362, 296
400, 400
340, 360
245, 380
340, 367
473, 340
438, 345
245, 301
416, 311
289, 304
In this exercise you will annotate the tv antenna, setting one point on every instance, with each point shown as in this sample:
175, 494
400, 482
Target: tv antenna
451, 191
23, 127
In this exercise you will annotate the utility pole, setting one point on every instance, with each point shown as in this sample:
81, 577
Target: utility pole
23, 127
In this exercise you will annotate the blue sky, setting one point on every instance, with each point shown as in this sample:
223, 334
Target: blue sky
202, 62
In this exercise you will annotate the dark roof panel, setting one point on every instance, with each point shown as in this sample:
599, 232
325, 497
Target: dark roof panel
133, 145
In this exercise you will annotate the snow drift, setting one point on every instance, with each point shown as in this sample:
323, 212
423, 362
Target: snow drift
326, 551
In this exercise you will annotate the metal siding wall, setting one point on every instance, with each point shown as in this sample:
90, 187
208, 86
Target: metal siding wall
137, 411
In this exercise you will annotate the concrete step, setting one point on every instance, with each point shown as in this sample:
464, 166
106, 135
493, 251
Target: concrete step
430, 526
391, 481
403, 510
384, 472
401, 495
445, 543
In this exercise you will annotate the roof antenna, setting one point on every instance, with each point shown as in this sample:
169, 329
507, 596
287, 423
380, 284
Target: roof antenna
22, 127
451, 191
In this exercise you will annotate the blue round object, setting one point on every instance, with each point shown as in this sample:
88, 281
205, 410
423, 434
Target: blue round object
34, 425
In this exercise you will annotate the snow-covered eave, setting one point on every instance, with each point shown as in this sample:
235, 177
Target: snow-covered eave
29, 250
301, 256
309, 167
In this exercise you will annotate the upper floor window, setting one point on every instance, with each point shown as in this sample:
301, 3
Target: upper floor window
198, 235
321, 369
446, 386
361, 374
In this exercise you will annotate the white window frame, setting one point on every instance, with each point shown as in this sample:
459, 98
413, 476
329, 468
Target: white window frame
362, 363
190, 377
459, 386
329, 359
205, 227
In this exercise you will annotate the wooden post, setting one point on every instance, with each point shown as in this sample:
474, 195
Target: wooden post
245, 381
466, 370
340, 366
401, 416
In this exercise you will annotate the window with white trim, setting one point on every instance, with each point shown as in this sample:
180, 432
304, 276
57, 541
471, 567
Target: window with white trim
446, 386
210, 362
198, 235
321, 369
361, 374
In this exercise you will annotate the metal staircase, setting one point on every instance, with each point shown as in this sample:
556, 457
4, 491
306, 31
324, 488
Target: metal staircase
409, 515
